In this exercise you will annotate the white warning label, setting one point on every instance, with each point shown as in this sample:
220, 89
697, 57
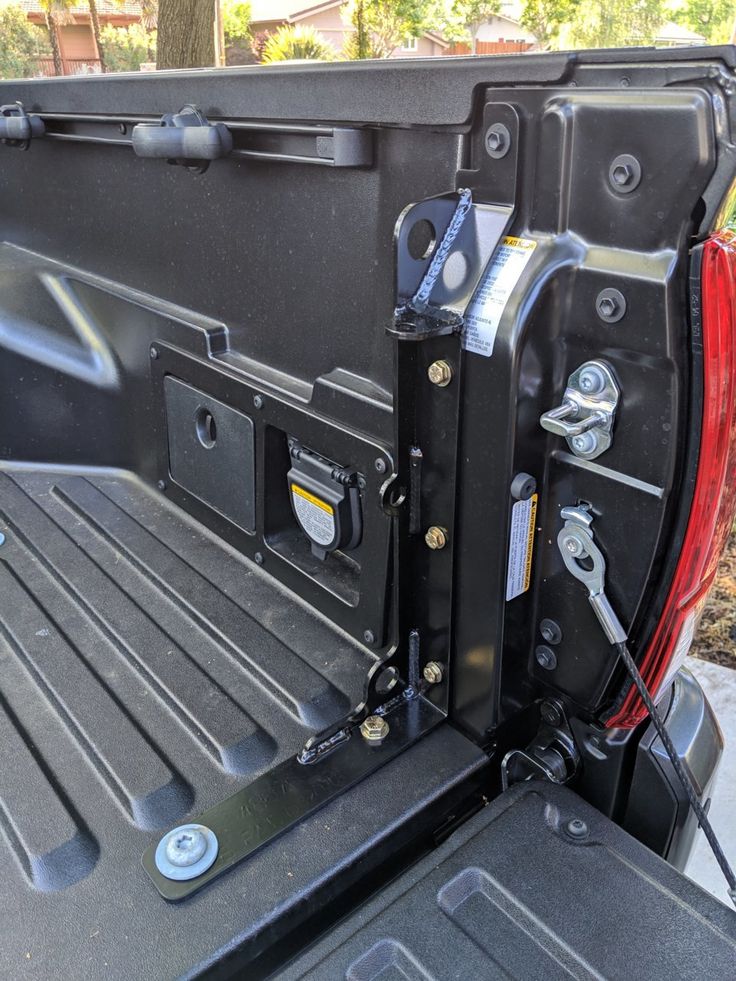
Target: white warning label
484, 313
521, 546
316, 516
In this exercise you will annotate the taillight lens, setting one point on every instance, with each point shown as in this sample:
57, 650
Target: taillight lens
714, 498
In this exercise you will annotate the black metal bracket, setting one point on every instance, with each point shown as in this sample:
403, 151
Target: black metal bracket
17, 128
292, 791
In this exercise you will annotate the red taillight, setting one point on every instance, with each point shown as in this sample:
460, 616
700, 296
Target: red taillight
714, 498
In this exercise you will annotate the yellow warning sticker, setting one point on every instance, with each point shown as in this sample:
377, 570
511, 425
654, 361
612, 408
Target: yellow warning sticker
300, 492
316, 516
521, 546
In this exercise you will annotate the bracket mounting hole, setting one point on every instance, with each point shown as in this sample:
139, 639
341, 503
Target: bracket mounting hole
421, 239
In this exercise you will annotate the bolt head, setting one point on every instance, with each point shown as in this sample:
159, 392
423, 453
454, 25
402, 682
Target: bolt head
498, 140
153, 351
585, 443
440, 373
258, 401
374, 729
546, 657
551, 713
380, 465
591, 381
436, 537
184, 848
161, 484
550, 631
622, 175
432, 673
573, 546
369, 637
259, 558
607, 306
577, 828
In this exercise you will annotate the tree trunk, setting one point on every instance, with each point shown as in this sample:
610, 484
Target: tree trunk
186, 34
54, 40
96, 31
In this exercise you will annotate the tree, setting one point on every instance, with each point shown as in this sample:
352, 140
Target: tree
711, 18
94, 17
236, 16
468, 16
54, 13
613, 23
186, 34
127, 48
381, 25
295, 44
21, 44
545, 18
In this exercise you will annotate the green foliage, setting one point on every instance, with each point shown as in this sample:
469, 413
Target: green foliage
126, 48
382, 25
297, 43
545, 18
714, 19
467, 17
613, 23
21, 43
236, 17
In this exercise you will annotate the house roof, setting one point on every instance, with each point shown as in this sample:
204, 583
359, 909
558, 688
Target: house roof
287, 10
106, 8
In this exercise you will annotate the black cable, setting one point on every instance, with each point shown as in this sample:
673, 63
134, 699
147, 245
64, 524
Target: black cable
684, 778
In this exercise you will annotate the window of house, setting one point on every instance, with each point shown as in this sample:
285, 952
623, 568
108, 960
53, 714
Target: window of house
410, 44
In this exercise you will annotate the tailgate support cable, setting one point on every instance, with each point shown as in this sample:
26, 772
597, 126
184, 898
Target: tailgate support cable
576, 545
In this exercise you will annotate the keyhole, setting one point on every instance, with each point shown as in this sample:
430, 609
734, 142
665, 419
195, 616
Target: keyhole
206, 427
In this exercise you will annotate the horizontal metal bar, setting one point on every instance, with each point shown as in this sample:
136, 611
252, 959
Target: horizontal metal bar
286, 795
282, 157
252, 126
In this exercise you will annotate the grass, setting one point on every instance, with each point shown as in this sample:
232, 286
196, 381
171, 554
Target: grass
716, 636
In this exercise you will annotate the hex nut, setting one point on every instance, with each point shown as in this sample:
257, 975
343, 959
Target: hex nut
440, 373
550, 631
436, 537
374, 729
432, 673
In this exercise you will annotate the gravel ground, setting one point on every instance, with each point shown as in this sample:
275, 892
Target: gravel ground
716, 638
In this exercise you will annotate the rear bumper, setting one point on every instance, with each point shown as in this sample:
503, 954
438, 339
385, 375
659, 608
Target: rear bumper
658, 812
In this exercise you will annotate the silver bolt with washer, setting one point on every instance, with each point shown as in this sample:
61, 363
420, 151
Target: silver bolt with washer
585, 443
186, 852
432, 673
591, 380
374, 729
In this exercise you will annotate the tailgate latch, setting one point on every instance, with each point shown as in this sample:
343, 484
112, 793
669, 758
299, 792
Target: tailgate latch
585, 417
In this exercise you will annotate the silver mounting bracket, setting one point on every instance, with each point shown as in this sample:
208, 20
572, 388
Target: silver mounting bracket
585, 417
585, 561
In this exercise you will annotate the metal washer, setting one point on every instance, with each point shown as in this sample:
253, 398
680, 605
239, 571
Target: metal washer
182, 873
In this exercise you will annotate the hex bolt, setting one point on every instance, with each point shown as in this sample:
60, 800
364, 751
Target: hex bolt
258, 401
432, 673
584, 443
498, 141
546, 657
184, 848
153, 352
369, 637
380, 465
374, 729
436, 537
610, 305
440, 373
551, 713
550, 630
624, 174
591, 380
577, 828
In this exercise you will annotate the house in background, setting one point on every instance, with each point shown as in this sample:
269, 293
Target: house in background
267, 16
79, 54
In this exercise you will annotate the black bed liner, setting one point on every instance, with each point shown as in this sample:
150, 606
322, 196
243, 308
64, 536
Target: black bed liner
513, 894
137, 689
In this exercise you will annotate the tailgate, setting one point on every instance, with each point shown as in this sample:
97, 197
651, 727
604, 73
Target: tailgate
538, 885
